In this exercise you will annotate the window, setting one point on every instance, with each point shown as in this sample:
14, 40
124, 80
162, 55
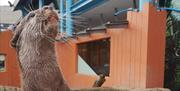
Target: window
2, 62
94, 57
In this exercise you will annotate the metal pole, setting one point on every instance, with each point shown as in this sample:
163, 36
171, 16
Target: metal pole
61, 16
69, 23
41, 3
142, 2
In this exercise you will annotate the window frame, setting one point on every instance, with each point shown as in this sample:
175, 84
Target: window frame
5, 55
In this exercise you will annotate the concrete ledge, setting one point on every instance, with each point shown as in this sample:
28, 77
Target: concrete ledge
121, 89
6, 88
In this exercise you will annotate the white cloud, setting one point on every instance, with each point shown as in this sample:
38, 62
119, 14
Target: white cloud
5, 2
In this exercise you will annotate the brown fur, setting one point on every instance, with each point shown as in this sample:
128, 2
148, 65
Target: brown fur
40, 71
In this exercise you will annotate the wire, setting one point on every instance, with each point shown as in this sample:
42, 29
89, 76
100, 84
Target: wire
123, 11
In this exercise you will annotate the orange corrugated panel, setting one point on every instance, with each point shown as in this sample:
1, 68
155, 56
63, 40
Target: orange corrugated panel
130, 55
11, 77
155, 49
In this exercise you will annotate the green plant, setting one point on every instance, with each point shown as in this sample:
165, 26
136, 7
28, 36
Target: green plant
172, 61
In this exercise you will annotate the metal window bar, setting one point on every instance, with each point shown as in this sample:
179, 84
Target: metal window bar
41, 3
69, 23
61, 16
71, 7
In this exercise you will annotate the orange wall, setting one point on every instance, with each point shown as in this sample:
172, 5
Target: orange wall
156, 48
136, 56
67, 59
137, 53
11, 76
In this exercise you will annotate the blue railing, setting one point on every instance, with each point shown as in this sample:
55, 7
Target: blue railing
61, 15
141, 3
85, 5
81, 6
170, 9
69, 23
71, 9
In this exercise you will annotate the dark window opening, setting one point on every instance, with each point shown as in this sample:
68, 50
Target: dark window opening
97, 55
2, 62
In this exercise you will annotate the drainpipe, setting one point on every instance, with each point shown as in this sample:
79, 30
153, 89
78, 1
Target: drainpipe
41, 3
69, 23
142, 2
61, 16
